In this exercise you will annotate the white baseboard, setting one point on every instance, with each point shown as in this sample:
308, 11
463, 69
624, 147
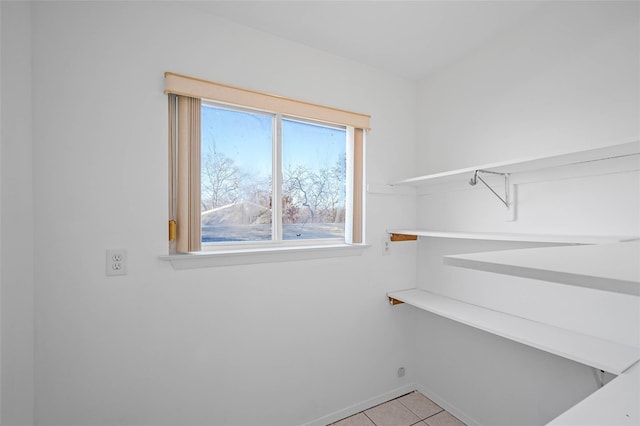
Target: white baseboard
364, 405
461, 415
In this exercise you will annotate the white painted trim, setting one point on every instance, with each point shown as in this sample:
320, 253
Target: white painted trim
361, 406
350, 160
452, 409
247, 256
384, 189
608, 405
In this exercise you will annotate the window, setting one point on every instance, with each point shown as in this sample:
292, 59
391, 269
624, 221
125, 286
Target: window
236, 175
314, 176
252, 168
238, 183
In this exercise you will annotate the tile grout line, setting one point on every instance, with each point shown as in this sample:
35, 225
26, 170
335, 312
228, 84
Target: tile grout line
416, 414
428, 417
370, 419
403, 405
382, 403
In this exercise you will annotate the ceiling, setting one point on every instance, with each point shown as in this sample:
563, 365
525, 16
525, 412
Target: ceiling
407, 38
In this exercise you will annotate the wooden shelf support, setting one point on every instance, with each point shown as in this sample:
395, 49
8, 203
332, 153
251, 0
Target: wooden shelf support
394, 302
402, 237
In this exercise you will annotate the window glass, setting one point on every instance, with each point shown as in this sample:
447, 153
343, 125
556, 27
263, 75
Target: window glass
237, 188
236, 175
313, 180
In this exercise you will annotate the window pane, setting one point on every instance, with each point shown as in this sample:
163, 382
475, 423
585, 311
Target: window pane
313, 185
236, 175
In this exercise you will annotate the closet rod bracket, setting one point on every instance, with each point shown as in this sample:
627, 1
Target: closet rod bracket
476, 177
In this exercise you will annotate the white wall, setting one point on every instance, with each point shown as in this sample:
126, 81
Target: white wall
261, 344
0, 217
564, 81
17, 248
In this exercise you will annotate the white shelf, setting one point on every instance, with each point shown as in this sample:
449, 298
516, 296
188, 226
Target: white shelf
537, 238
617, 403
602, 354
529, 164
609, 267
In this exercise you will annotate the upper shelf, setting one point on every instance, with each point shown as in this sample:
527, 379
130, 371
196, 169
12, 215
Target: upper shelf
610, 267
530, 164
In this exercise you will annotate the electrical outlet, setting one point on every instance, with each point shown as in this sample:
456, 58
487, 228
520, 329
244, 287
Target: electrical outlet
401, 372
116, 263
386, 246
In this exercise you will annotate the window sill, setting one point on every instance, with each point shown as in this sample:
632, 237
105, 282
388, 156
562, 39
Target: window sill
209, 259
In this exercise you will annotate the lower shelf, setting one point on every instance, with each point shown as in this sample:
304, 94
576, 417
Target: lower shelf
602, 354
615, 404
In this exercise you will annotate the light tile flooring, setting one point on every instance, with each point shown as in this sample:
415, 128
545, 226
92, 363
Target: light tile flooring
411, 409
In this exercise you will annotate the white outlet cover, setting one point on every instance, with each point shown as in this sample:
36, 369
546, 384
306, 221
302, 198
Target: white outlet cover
116, 262
386, 246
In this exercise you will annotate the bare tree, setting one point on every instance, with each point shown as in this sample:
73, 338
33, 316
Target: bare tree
316, 194
296, 186
220, 180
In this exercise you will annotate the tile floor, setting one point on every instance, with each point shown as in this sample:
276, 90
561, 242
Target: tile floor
411, 409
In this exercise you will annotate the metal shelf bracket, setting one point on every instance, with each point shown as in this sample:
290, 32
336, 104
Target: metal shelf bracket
476, 177
509, 190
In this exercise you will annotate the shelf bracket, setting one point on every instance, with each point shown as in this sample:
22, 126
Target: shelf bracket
509, 191
476, 177
394, 302
402, 237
